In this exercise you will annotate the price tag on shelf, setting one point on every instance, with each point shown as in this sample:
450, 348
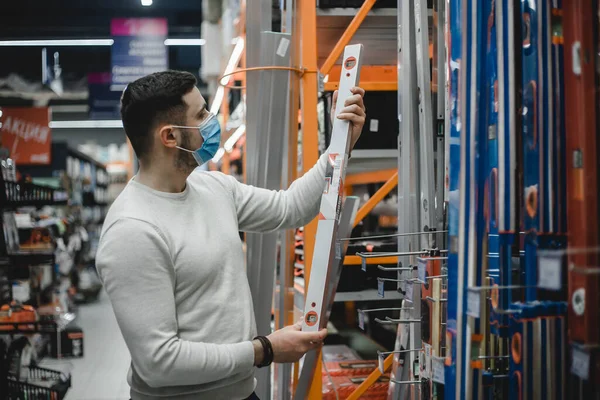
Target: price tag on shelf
474, 303
580, 363
380, 289
338, 250
426, 362
409, 291
361, 320
381, 362
549, 271
438, 370
363, 264
422, 269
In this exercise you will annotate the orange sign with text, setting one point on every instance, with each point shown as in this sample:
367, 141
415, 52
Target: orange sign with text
26, 134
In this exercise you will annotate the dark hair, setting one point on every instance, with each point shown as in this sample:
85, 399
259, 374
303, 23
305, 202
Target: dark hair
153, 99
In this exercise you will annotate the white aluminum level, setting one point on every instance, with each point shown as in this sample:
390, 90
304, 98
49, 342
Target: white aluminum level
332, 200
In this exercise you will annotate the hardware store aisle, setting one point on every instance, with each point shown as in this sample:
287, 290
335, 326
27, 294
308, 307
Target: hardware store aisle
102, 373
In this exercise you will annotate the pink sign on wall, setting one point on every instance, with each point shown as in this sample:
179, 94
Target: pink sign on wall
138, 50
138, 27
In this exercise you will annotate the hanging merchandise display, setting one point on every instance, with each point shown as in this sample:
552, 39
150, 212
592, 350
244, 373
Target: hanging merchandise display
581, 106
494, 286
522, 212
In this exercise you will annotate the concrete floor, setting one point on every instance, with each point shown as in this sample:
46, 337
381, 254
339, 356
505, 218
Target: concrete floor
102, 373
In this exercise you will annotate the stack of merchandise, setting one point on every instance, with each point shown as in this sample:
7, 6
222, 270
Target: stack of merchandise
344, 371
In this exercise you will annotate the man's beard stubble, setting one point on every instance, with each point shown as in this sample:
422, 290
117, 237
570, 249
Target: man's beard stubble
184, 161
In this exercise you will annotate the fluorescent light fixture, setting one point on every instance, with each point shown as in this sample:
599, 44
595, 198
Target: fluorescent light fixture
239, 132
146, 3
185, 42
57, 42
90, 42
218, 100
236, 54
218, 155
90, 124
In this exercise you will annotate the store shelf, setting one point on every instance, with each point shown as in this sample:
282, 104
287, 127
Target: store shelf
58, 323
376, 154
351, 12
340, 297
356, 260
372, 78
372, 160
28, 258
19, 194
378, 34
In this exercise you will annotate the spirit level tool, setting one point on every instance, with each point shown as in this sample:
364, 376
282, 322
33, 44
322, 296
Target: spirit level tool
331, 202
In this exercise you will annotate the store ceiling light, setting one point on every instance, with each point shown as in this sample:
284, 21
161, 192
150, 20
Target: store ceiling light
234, 59
218, 100
236, 54
220, 153
89, 42
146, 3
239, 132
185, 42
90, 124
57, 42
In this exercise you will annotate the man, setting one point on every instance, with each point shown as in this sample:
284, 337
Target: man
171, 258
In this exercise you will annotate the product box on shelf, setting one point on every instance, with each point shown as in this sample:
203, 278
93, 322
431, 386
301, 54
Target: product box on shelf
345, 385
350, 368
338, 353
66, 343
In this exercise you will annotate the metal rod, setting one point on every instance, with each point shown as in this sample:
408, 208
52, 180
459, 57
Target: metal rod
405, 382
491, 357
384, 309
405, 321
394, 254
585, 271
391, 235
435, 276
477, 288
382, 268
436, 300
387, 353
391, 322
391, 280
509, 311
431, 258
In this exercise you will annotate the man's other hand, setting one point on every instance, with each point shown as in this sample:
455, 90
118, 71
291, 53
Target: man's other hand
290, 343
354, 111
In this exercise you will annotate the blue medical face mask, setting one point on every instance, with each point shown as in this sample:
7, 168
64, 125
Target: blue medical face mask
210, 130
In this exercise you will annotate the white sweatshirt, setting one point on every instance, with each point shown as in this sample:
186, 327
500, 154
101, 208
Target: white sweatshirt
173, 267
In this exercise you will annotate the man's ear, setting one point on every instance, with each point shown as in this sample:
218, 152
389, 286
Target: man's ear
168, 136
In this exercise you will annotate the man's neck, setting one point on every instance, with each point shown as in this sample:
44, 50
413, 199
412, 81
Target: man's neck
162, 179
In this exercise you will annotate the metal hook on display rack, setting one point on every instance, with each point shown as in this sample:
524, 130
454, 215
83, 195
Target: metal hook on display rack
382, 268
391, 321
392, 235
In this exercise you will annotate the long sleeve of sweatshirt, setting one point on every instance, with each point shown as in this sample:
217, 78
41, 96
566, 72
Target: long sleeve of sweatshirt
263, 210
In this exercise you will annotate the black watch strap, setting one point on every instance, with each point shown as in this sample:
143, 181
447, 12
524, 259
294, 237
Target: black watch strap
267, 351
